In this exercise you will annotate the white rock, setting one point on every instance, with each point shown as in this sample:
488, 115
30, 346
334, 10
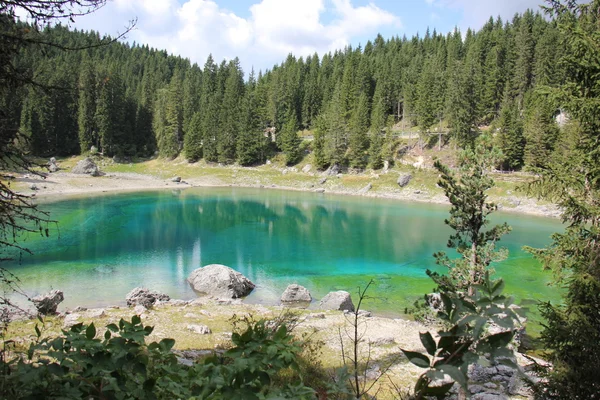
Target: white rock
220, 281
199, 329
70, 320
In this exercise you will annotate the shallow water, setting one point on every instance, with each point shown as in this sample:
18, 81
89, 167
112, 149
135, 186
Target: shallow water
106, 245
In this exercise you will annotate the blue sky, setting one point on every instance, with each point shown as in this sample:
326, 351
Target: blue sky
262, 32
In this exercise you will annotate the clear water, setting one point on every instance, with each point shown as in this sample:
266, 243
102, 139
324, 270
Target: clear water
106, 245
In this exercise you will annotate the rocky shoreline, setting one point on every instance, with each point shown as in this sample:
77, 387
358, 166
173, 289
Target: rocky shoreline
88, 179
205, 324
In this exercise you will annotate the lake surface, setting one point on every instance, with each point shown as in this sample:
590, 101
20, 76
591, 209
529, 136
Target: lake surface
104, 246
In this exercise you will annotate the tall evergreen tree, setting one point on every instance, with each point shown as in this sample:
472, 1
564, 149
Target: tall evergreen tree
251, 143
359, 139
110, 116
572, 179
87, 107
230, 113
510, 138
290, 140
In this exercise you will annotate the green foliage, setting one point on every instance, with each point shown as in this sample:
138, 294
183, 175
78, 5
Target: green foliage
290, 141
572, 179
192, 143
468, 340
346, 94
469, 215
119, 364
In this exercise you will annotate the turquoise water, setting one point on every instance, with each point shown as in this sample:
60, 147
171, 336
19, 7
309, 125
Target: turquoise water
106, 245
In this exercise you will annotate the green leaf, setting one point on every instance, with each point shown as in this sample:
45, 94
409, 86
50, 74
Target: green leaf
455, 374
428, 343
439, 390
107, 334
112, 327
167, 344
498, 287
418, 359
37, 331
501, 339
90, 332
55, 369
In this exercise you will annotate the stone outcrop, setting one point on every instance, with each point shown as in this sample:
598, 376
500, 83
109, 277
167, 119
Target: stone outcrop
220, 281
404, 180
333, 170
366, 188
144, 297
46, 304
199, 329
295, 293
52, 166
339, 300
87, 166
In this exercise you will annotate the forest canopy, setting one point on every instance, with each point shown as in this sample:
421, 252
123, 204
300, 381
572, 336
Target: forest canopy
132, 100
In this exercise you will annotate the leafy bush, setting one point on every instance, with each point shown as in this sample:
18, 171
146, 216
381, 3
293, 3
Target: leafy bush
121, 365
468, 340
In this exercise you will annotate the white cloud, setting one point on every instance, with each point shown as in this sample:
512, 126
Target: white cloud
478, 12
274, 28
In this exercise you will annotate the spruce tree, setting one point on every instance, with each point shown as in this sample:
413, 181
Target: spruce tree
87, 107
469, 215
251, 143
230, 113
110, 114
359, 139
192, 143
290, 141
572, 179
510, 138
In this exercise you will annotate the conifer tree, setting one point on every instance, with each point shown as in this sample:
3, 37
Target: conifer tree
192, 142
110, 114
572, 179
174, 118
359, 139
251, 143
462, 105
510, 138
87, 107
469, 215
209, 109
540, 133
319, 157
230, 113
290, 141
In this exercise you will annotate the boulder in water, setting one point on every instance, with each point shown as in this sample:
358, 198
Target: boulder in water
296, 293
46, 304
339, 300
220, 281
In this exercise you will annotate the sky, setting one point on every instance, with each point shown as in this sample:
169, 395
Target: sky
263, 32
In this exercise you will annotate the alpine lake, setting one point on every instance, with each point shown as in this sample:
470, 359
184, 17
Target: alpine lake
105, 245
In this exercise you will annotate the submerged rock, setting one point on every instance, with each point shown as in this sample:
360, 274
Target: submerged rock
86, 166
144, 297
296, 293
339, 300
220, 281
46, 304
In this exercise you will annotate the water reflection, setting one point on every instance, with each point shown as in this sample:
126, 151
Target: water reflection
110, 244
